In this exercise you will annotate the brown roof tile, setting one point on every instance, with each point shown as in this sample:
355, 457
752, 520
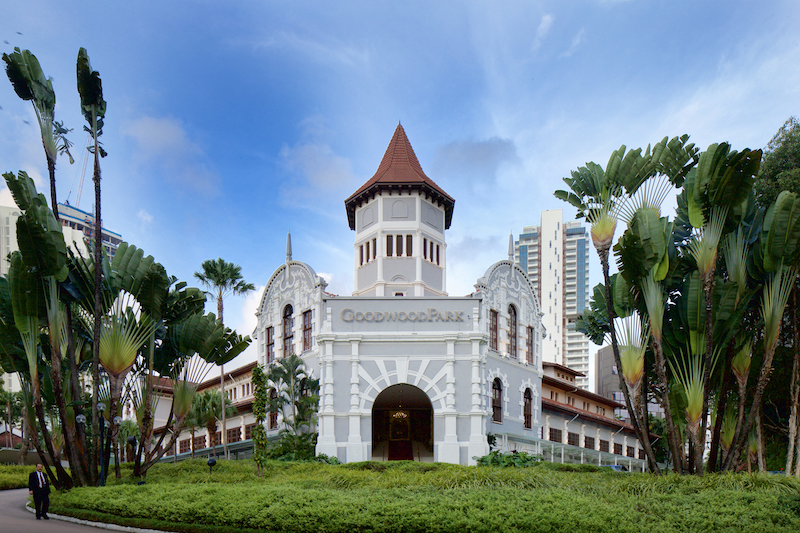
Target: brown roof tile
399, 169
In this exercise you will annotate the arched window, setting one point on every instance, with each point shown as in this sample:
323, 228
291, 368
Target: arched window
273, 412
526, 409
288, 325
497, 401
512, 331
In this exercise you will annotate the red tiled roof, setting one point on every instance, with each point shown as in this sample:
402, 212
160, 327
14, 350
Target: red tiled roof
566, 386
399, 170
611, 422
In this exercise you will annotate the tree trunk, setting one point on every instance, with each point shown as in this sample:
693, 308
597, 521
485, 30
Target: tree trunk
67, 425
224, 436
708, 290
643, 436
678, 461
51, 169
794, 387
77, 394
762, 463
63, 481
722, 405
98, 311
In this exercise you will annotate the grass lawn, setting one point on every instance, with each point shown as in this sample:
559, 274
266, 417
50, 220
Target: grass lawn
409, 497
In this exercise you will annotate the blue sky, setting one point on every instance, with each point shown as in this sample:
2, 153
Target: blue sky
231, 123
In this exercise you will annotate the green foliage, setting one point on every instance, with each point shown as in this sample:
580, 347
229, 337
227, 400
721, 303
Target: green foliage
780, 169
409, 496
518, 459
260, 399
14, 476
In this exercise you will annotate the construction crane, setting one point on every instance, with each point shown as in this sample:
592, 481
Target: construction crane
84, 164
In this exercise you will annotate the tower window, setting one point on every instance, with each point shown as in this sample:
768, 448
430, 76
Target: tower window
437, 254
361, 254
374, 248
399, 242
367, 248
409, 240
529, 355
425, 248
389, 245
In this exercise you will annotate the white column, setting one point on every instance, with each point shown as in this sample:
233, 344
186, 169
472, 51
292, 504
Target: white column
326, 442
478, 447
449, 450
355, 446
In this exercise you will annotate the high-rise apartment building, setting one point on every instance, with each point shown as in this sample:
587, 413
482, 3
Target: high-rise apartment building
555, 256
77, 229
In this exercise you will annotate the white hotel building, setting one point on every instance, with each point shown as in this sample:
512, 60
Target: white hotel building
408, 372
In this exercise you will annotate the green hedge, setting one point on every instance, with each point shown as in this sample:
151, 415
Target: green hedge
411, 497
14, 477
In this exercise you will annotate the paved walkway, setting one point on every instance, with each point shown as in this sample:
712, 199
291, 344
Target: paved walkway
15, 518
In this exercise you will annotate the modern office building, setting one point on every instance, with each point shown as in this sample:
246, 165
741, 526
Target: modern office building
83, 222
555, 255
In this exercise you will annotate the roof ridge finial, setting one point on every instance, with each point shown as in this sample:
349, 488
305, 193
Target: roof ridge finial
288, 247
511, 246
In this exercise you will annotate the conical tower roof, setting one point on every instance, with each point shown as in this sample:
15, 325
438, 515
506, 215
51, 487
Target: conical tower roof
399, 170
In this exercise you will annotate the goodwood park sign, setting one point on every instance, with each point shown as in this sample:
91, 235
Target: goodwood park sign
428, 315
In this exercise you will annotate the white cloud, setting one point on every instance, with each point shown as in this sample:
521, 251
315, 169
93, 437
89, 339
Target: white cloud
541, 33
576, 42
327, 51
163, 143
476, 162
144, 216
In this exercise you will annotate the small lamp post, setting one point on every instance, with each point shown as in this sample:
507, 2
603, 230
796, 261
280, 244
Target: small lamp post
211, 463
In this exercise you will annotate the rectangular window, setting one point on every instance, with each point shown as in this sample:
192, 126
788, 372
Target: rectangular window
437, 254
389, 245
399, 243
604, 446
374, 248
367, 249
270, 344
409, 241
273, 420
617, 449
361, 254
630, 451
493, 329
199, 443
588, 443
572, 438
425, 248
307, 330
248, 431
529, 355
555, 435
642, 454
431, 246
184, 446
234, 434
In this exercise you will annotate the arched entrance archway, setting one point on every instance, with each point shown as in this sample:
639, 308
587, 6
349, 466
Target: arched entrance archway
402, 424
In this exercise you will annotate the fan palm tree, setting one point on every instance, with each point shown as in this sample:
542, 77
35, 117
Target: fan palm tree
206, 408
31, 84
223, 279
93, 107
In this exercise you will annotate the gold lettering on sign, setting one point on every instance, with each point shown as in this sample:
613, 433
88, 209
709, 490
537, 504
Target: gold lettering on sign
429, 315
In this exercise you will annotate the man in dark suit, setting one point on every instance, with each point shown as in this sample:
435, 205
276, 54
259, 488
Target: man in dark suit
39, 488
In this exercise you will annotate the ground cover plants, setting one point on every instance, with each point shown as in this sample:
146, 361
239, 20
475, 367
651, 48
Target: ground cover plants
409, 497
14, 476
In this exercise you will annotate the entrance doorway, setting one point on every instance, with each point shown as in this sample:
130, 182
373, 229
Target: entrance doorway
402, 425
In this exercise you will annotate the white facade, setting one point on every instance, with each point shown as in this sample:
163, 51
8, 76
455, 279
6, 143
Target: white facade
555, 255
405, 371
